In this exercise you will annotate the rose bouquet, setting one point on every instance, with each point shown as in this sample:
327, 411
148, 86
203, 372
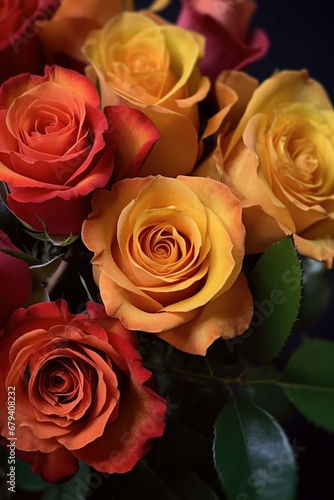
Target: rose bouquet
166, 240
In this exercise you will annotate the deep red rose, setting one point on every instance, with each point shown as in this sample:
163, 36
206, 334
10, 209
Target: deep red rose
57, 147
15, 280
225, 25
81, 391
20, 48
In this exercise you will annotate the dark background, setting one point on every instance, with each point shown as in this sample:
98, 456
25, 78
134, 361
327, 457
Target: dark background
302, 36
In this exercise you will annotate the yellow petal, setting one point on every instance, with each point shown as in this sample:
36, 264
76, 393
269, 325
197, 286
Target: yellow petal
283, 87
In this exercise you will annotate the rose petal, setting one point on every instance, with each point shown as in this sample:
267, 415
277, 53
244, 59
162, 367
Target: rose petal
134, 134
227, 316
53, 467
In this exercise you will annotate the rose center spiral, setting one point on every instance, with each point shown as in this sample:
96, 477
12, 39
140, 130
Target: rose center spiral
163, 243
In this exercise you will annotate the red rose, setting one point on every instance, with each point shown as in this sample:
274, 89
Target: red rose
225, 24
20, 49
57, 147
15, 280
81, 391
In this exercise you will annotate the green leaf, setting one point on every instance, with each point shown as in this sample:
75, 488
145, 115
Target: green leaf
61, 240
252, 454
317, 293
55, 239
21, 255
268, 396
308, 381
276, 287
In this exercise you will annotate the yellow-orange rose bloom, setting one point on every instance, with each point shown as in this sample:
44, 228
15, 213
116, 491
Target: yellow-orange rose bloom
168, 258
279, 160
141, 60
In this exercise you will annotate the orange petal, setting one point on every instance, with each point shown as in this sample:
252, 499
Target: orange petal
227, 316
242, 86
262, 230
321, 249
284, 86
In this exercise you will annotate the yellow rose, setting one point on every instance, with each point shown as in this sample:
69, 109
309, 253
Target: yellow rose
167, 259
142, 61
278, 157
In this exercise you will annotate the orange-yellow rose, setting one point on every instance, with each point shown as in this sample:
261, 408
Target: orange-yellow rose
278, 159
168, 258
142, 61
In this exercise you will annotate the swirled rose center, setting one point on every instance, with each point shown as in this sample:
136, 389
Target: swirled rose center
140, 60
141, 65
59, 381
303, 154
297, 157
46, 123
163, 244
294, 138
48, 129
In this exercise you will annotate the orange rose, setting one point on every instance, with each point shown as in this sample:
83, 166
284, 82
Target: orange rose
168, 256
142, 61
57, 146
80, 390
278, 159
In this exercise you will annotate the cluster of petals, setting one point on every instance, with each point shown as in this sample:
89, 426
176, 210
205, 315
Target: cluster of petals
168, 255
81, 391
57, 147
276, 154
